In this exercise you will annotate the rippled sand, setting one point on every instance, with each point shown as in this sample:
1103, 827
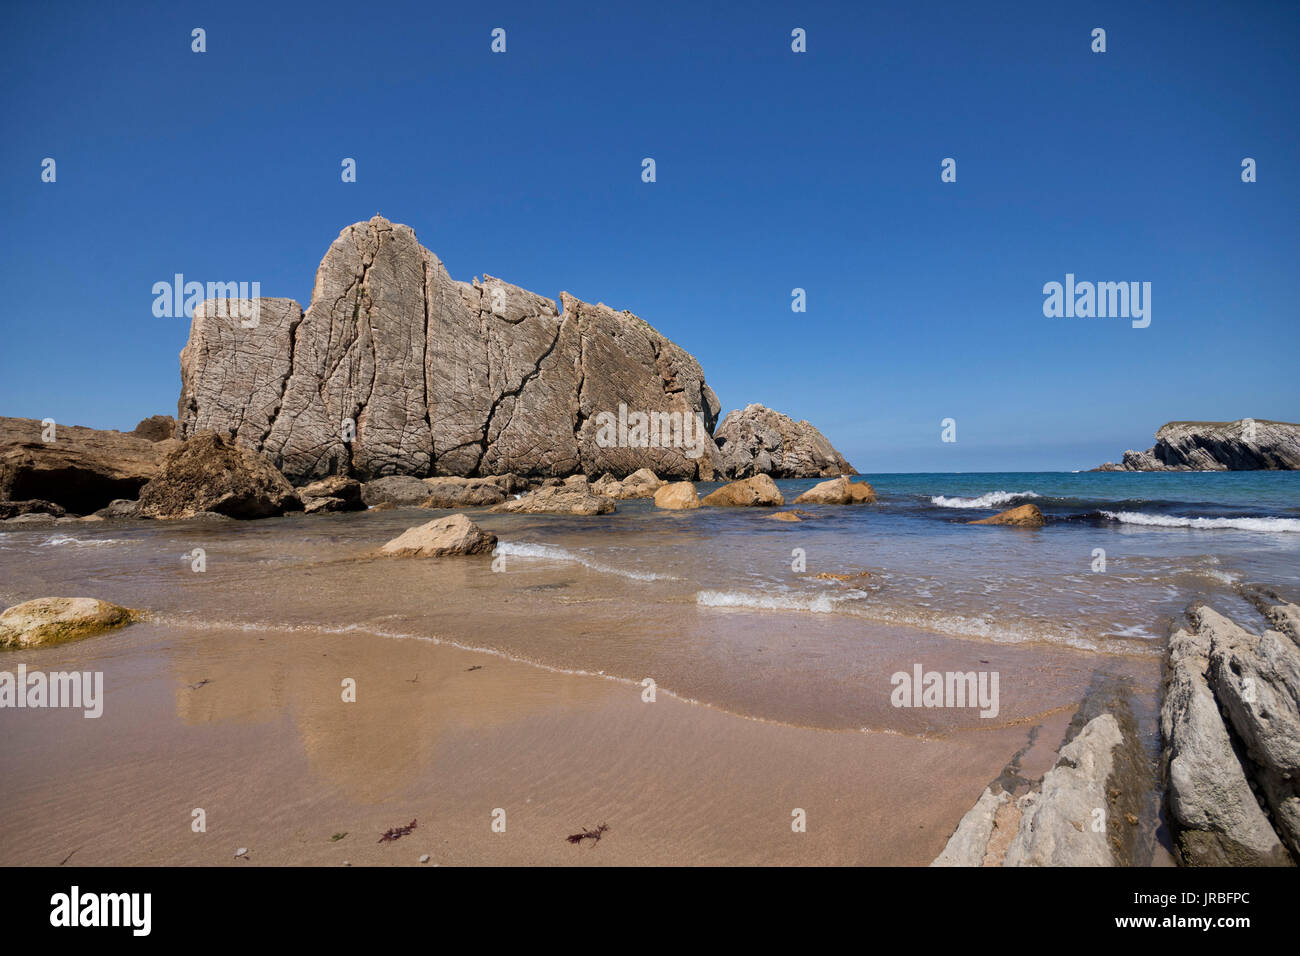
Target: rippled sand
518, 689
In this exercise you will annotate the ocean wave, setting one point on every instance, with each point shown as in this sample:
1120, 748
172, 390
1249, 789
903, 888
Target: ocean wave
990, 500
1205, 524
60, 539
1134, 640
818, 603
526, 549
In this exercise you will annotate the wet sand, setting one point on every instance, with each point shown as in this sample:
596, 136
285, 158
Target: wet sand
478, 690
444, 736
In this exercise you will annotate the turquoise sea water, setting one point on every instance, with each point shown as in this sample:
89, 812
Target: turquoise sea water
1122, 556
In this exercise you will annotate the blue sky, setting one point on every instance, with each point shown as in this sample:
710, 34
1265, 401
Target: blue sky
775, 170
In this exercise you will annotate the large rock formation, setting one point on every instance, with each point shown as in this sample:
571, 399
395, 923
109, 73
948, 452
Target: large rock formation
1248, 444
758, 441
397, 369
82, 469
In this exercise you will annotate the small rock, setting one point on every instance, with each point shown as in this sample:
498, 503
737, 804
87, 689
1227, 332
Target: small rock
677, 496
1023, 516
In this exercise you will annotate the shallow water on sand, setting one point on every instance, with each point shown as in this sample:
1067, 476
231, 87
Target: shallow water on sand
715, 603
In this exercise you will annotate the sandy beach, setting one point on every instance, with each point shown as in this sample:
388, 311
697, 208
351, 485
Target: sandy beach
478, 691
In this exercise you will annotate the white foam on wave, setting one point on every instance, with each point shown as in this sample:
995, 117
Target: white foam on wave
990, 500
818, 603
549, 552
969, 627
61, 539
1274, 525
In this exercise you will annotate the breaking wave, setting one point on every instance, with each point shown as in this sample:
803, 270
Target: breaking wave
549, 552
59, 539
818, 604
1204, 524
990, 500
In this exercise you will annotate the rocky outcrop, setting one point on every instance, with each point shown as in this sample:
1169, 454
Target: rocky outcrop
13, 509
1232, 784
1062, 820
81, 470
57, 620
970, 841
156, 428
758, 441
441, 537
574, 497
759, 491
397, 369
838, 491
399, 490
1056, 822
119, 509
677, 496
1244, 445
335, 493
211, 473
1022, 516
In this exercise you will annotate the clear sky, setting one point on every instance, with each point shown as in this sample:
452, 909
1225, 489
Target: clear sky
775, 170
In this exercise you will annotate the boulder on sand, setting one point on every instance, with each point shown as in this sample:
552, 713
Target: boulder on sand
56, 620
454, 534
677, 496
1022, 516
759, 491
838, 491
211, 473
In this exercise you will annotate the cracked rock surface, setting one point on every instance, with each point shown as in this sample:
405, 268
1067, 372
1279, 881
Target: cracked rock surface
395, 368
1231, 727
1243, 445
